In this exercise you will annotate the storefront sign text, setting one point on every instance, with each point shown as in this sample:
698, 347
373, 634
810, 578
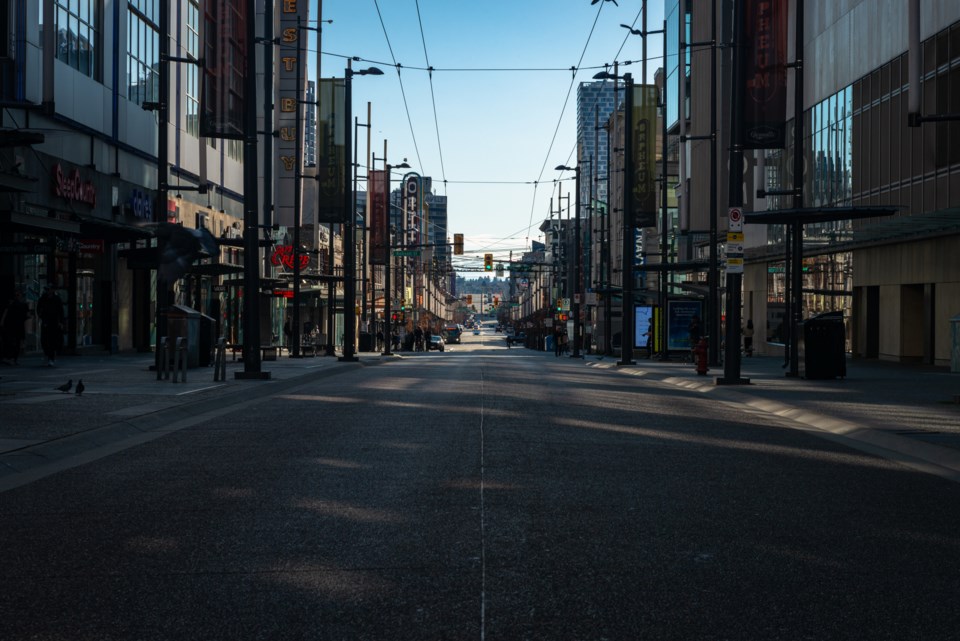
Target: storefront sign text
72, 187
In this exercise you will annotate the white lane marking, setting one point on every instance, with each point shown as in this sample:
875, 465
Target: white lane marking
483, 541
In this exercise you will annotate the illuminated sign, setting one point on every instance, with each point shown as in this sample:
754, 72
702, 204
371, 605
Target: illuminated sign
283, 255
72, 187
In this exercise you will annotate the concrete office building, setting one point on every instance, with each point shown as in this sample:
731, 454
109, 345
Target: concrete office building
78, 163
896, 279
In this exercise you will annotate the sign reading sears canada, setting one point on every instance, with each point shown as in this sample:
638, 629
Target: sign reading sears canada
291, 67
764, 74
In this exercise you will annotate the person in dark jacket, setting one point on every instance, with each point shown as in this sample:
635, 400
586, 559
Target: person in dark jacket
12, 331
50, 313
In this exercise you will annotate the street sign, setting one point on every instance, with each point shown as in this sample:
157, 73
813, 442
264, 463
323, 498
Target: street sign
406, 252
734, 265
735, 218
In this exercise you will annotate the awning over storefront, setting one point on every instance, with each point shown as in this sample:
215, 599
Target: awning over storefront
214, 269
815, 215
30, 222
113, 232
14, 182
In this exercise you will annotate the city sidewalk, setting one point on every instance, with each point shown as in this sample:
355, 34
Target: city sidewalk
906, 413
122, 404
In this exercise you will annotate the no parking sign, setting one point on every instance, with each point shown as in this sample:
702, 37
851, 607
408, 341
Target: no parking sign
735, 218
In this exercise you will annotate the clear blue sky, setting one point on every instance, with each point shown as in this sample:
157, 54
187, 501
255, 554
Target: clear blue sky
501, 107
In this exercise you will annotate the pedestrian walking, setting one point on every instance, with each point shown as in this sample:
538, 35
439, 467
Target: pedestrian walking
557, 343
50, 313
696, 333
12, 331
649, 335
748, 338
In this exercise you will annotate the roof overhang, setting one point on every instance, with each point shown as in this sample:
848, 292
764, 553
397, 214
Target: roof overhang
814, 215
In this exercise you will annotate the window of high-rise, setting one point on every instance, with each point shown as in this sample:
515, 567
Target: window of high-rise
78, 35
193, 71
143, 51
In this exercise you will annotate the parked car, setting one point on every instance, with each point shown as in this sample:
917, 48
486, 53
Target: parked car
436, 343
516, 338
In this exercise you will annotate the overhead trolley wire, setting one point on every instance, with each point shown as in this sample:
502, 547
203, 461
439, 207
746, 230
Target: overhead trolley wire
566, 101
403, 92
433, 98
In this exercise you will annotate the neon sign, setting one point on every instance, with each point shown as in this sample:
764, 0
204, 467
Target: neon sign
283, 255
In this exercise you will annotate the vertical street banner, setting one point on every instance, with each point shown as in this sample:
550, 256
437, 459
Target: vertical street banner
377, 193
644, 135
764, 73
291, 72
222, 100
331, 150
644, 155
413, 199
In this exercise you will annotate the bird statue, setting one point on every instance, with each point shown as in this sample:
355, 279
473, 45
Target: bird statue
80, 387
66, 386
180, 247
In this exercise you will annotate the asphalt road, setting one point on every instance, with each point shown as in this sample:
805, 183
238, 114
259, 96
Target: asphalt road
490, 494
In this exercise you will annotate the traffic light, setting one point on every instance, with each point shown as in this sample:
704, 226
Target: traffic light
559, 305
488, 262
458, 244
496, 301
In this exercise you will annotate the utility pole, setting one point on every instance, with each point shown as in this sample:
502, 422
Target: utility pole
251, 228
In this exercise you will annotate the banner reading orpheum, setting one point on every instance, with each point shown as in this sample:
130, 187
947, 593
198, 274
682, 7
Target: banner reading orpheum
764, 73
644, 155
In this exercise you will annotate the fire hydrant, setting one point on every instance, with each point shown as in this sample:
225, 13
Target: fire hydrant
700, 357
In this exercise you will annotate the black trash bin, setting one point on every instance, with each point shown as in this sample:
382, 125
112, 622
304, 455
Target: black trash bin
823, 347
206, 340
365, 341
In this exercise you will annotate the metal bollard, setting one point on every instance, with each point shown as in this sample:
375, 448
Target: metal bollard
163, 371
220, 360
180, 360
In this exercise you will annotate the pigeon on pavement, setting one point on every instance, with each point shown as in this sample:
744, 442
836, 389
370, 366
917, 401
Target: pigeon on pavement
80, 387
66, 386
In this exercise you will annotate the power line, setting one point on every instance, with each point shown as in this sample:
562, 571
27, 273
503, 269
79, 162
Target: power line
403, 92
566, 101
433, 99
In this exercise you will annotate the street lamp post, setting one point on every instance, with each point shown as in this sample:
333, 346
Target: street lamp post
627, 273
577, 324
251, 228
388, 260
349, 226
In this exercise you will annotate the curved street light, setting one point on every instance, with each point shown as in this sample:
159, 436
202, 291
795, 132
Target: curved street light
577, 325
350, 224
388, 261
